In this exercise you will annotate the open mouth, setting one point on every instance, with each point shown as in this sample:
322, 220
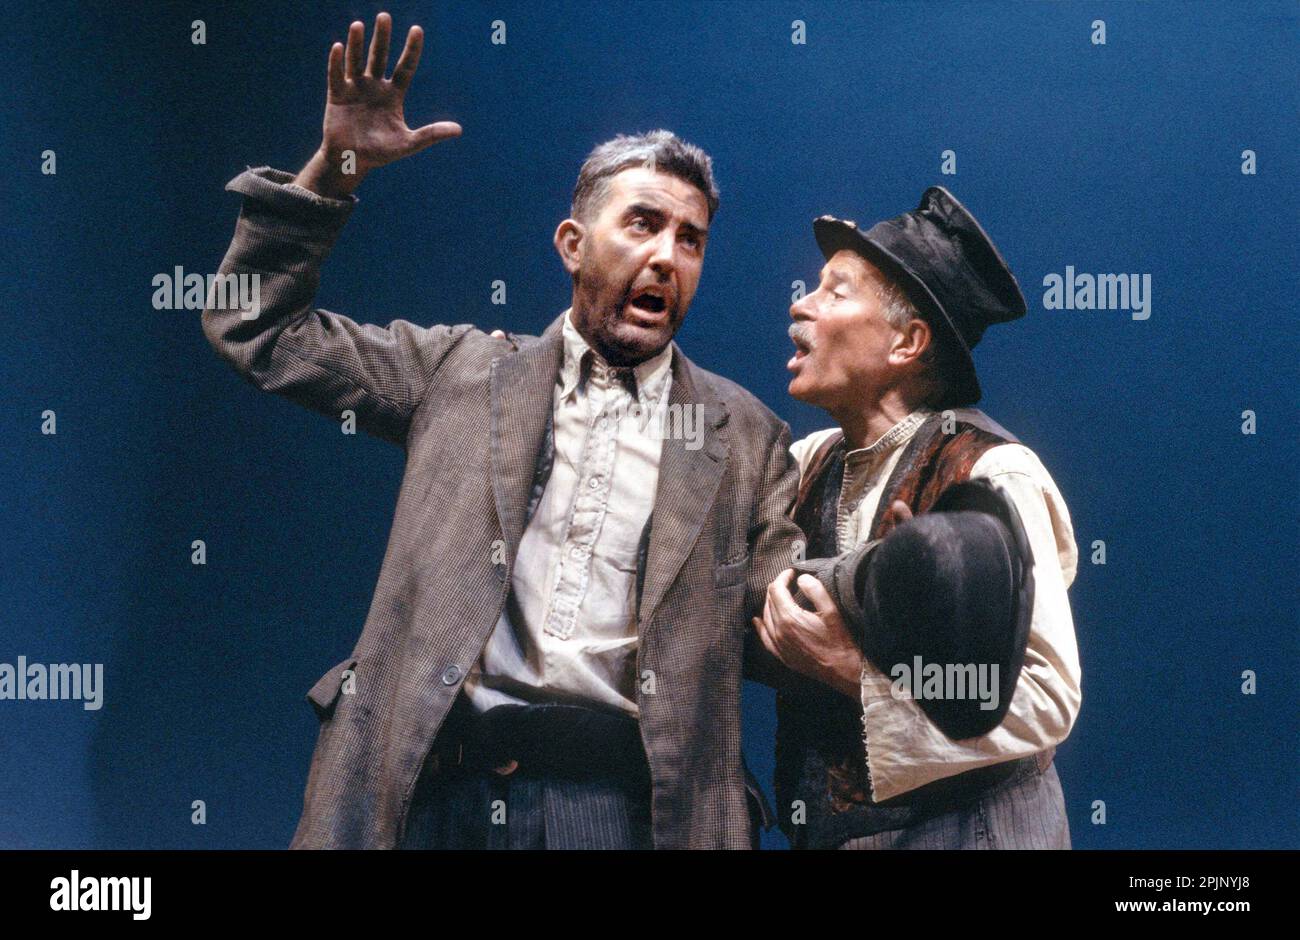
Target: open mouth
801, 347
648, 300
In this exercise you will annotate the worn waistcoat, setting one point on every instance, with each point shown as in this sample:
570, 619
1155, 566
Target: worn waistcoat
820, 753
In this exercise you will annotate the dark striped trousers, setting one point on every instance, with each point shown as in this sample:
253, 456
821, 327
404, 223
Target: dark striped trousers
480, 809
1026, 811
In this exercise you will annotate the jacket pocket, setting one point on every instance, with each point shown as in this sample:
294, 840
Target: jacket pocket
731, 573
324, 695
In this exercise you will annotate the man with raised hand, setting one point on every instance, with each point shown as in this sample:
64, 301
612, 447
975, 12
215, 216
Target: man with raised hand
553, 654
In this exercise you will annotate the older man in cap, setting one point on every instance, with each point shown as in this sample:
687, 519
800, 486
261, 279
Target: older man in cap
927, 712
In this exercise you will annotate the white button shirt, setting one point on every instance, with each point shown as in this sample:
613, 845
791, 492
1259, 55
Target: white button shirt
904, 748
569, 632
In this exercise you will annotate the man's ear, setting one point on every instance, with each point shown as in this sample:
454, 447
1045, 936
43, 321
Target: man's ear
912, 342
568, 241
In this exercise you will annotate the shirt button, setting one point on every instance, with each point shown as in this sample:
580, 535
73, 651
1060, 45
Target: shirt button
595, 483
451, 676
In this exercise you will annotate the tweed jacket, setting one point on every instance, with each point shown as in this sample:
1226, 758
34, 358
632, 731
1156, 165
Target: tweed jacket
471, 410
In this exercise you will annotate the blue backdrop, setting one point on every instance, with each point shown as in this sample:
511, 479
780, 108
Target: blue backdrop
1122, 157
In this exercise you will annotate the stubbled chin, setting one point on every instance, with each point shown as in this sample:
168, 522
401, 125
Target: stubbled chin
640, 342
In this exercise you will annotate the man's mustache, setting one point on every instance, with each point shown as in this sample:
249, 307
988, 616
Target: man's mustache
801, 333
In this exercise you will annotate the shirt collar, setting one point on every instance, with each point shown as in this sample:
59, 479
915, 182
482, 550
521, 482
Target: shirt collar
896, 436
582, 362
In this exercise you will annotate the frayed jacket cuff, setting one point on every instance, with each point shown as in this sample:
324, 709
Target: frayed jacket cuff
277, 189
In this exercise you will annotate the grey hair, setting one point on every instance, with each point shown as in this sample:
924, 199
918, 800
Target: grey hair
659, 150
898, 311
896, 306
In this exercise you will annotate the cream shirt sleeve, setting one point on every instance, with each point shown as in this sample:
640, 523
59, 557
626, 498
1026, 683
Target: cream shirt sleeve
904, 748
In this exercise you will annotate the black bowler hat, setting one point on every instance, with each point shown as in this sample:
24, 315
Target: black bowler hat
948, 267
952, 587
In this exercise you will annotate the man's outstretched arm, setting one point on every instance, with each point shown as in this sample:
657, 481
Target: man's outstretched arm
286, 229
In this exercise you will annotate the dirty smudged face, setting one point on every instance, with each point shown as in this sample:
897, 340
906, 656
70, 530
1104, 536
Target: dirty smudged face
636, 264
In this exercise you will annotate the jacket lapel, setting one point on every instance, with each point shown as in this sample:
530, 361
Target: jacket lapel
688, 482
523, 391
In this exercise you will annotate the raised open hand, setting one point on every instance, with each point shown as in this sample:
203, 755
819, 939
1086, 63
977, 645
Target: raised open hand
363, 112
